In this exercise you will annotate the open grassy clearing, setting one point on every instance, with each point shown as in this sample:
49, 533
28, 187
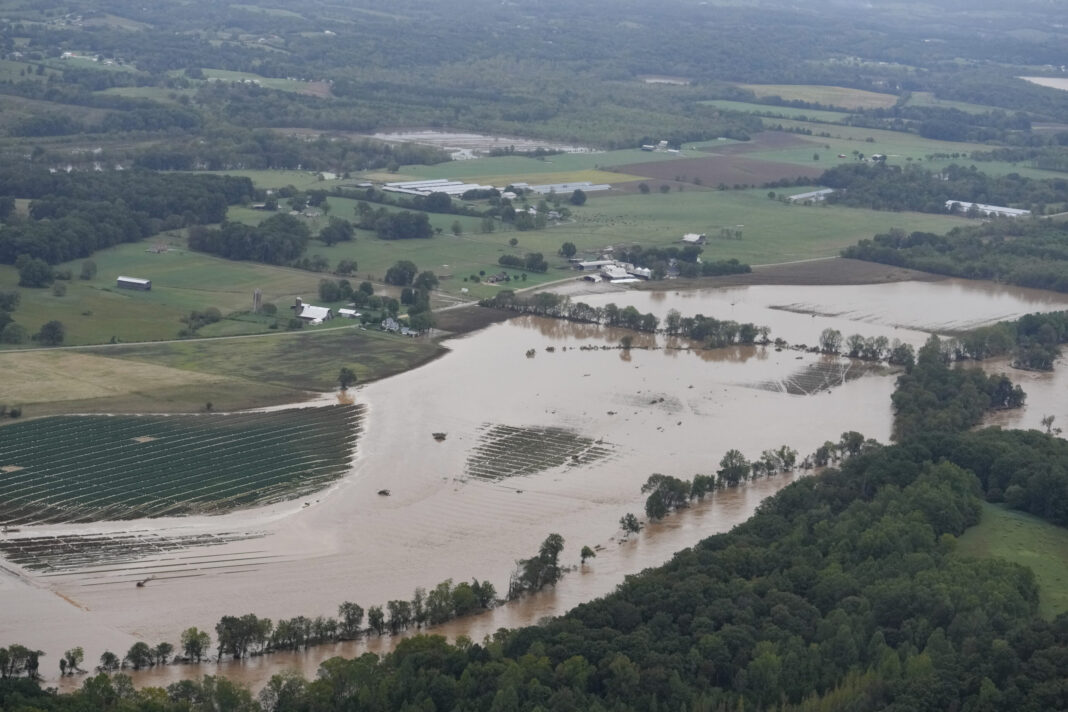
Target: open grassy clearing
12, 71
291, 85
51, 376
785, 112
926, 98
897, 146
1026, 540
153, 93
273, 179
95, 310
304, 360
771, 231
89, 468
273, 12
842, 97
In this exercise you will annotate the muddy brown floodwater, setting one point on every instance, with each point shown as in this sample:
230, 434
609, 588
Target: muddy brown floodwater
559, 441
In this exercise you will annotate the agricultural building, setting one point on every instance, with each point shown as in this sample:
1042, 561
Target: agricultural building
310, 313
133, 283
996, 211
614, 272
348, 313
640, 272
594, 264
693, 238
813, 196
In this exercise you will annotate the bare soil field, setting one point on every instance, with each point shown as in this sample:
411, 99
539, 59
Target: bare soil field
722, 168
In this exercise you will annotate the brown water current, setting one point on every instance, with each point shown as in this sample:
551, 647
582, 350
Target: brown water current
560, 441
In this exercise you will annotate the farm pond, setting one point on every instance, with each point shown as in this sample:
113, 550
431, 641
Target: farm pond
557, 441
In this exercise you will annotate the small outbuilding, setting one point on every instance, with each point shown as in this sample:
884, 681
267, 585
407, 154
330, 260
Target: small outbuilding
134, 283
693, 238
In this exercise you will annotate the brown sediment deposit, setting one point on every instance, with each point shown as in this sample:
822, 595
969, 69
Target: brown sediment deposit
714, 170
661, 406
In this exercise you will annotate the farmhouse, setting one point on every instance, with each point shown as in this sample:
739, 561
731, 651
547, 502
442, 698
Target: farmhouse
693, 238
997, 211
813, 196
311, 314
133, 283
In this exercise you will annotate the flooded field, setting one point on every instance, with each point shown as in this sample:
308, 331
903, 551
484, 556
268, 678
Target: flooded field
557, 441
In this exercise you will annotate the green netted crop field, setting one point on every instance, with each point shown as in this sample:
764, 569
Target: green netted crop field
91, 468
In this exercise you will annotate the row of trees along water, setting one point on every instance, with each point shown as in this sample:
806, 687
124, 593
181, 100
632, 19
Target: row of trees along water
844, 589
708, 330
238, 637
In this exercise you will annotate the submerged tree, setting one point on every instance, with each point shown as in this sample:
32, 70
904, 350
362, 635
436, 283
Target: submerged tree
536, 573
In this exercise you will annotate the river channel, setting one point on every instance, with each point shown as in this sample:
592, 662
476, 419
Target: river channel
549, 427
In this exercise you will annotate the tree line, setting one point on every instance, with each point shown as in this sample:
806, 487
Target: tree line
879, 186
1024, 253
73, 215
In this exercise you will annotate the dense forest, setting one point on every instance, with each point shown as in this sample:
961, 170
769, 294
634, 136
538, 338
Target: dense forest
1025, 253
72, 215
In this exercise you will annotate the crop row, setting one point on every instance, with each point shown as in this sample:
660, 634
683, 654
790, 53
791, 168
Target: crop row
90, 468
65, 553
507, 451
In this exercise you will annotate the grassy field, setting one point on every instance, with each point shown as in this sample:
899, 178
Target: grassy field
842, 97
95, 310
1029, 541
785, 112
49, 377
80, 469
926, 98
304, 360
291, 85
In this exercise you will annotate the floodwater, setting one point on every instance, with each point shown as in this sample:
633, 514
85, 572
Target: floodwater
659, 407
1051, 82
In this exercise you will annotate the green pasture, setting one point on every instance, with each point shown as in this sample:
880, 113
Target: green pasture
292, 85
771, 231
11, 71
274, 179
842, 97
306, 360
95, 310
272, 11
153, 93
1026, 540
926, 98
785, 112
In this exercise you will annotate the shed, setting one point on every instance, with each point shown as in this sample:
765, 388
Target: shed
693, 238
348, 313
134, 283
